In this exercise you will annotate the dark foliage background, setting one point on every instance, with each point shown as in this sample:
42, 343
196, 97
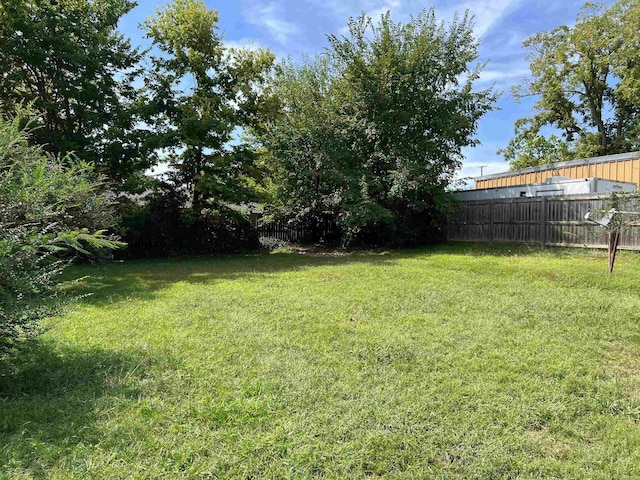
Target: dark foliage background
164, 225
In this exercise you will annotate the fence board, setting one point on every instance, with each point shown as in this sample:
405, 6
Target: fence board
553, 221
281, 229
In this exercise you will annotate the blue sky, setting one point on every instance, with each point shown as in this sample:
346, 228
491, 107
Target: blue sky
295, 27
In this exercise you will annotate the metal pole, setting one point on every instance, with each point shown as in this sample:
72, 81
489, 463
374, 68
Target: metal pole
614, 238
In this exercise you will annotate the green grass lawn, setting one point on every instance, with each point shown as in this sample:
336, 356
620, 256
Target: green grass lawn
452, 362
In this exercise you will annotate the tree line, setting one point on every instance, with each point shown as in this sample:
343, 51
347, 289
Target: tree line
370, 131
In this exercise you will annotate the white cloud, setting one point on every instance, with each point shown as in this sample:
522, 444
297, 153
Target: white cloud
271, 17
504, 76
244, 43
473, 169
487, 13
387, 6
342, 10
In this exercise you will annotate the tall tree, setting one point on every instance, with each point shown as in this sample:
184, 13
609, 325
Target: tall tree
374, 130
626, 66
303, 146
410, 93
586, 78
68, 61
201, 95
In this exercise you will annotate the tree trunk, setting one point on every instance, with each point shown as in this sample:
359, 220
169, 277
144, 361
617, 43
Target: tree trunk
197, 193
595, 105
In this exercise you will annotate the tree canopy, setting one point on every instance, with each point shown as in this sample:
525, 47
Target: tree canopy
586, 78
68, 61
373, 129
200, 93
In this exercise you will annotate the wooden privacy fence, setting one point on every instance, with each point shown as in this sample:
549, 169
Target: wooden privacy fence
326, 230
553, 221
282, 231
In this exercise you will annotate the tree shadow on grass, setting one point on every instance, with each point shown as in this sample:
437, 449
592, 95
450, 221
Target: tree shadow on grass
141, 279
54, 399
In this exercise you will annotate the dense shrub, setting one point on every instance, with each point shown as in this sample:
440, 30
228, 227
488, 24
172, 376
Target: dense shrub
27, 283
407, 228
47, 206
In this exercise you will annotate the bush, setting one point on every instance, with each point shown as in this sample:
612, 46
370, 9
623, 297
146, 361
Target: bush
46, 207
27, 287
407, 228
403, 225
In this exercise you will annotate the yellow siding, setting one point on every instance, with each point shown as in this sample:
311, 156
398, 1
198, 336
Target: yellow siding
628, 169
582, 171
620, 171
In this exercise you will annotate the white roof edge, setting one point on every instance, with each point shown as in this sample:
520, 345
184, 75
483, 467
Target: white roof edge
543, 184
571, 163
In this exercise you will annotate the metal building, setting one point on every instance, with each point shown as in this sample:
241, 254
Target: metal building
624, 167
553, 186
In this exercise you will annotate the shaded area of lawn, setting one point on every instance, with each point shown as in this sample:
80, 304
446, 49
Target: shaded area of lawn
105, 284
460, 361
55, 399
141, 278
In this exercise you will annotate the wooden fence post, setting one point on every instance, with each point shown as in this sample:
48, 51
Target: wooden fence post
543, 221
491, 235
